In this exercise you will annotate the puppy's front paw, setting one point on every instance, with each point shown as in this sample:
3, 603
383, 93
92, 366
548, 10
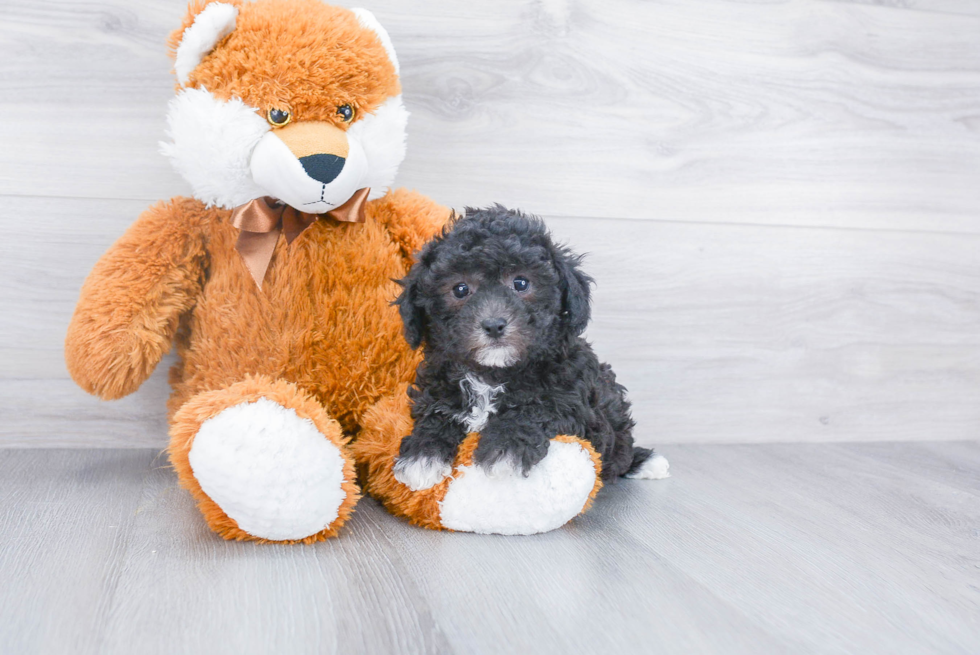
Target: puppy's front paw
419, 473
504, 454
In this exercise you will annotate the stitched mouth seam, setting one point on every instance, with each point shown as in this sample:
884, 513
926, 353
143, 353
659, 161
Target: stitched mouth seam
323, 190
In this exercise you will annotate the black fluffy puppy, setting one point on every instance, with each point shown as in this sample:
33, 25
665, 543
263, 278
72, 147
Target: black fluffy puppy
500, 309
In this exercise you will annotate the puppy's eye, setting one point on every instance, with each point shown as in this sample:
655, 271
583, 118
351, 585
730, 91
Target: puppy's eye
461, 290
346, 112
521, 283
278, 117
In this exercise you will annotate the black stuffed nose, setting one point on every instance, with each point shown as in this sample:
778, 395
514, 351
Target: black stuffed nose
323, 168
494, 327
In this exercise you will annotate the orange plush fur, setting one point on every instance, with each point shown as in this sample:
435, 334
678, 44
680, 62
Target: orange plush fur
331, 60
322, 319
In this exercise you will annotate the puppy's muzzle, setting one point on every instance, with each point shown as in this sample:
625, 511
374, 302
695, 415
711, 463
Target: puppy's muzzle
494, 327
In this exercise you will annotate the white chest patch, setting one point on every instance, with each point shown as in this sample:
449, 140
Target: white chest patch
480, 402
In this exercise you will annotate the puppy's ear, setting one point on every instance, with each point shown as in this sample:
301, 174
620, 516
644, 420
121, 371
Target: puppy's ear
410, 306
575, 289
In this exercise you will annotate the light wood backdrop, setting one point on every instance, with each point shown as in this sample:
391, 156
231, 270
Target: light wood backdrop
781, 200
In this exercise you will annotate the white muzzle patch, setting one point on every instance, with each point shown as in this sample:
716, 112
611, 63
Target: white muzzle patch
277, 170
497, 356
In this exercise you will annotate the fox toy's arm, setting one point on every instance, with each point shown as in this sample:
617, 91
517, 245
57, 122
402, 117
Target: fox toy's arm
411, 218
131, 303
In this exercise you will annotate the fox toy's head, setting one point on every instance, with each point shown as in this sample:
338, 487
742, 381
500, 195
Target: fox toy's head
293, 99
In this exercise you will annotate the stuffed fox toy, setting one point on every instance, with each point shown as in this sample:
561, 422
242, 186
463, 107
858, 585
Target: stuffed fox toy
274, 281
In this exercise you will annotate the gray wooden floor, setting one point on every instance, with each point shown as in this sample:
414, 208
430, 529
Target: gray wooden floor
798, 548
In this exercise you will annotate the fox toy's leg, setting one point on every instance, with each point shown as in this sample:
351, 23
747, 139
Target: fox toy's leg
264, 461
558, 489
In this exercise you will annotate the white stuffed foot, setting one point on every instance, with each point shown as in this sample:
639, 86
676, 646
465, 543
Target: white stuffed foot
655, 468
505, 502
418, 474
271, 471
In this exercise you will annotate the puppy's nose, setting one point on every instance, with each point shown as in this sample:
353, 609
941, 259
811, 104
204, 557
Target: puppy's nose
494, 327
323, 168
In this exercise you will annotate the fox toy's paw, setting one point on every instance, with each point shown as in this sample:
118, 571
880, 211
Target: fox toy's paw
264, 461
495, 500
503, 500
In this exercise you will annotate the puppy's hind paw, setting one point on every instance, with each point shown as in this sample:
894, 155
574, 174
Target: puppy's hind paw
421, 473
656, 467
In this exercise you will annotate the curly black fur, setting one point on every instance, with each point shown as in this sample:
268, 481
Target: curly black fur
527, 340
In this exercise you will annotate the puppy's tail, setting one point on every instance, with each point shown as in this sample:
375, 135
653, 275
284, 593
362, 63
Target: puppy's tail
648, 465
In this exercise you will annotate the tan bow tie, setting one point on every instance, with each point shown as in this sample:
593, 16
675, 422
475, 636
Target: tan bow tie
263, 219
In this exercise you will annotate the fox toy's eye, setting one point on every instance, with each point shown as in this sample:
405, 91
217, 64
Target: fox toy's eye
521, 283
346, 112
278, 117
461, 290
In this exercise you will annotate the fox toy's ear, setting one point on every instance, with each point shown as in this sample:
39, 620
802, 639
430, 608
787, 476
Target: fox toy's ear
410, 306
202, 30
575, 289
367, 19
